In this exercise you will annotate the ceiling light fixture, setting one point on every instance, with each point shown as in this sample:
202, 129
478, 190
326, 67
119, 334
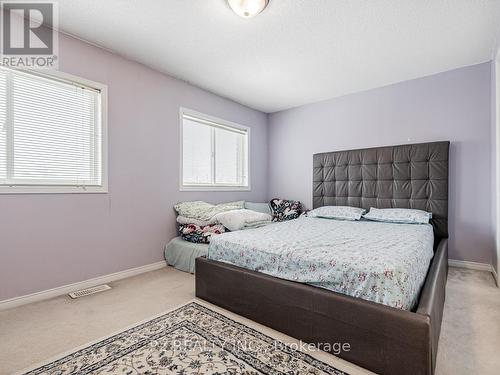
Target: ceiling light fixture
247, 8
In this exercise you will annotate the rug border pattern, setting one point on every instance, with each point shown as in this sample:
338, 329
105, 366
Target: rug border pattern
252, 361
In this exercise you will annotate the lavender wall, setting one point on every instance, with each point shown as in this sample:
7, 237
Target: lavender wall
56, 239
453, 106
52, 240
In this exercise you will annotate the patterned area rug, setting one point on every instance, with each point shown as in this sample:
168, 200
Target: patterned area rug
189, 340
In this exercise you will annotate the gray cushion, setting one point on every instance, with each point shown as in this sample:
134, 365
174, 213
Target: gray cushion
259, 207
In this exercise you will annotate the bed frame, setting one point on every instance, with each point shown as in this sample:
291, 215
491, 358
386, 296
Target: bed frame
382, 339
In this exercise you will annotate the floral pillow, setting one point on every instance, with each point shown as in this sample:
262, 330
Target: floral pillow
283, 209
337, 212
398, 215
199, 234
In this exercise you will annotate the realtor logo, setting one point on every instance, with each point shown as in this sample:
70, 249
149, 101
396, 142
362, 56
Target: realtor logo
27, 34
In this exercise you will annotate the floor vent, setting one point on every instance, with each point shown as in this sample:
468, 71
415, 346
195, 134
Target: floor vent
89, 291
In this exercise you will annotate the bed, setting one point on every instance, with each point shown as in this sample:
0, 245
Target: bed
380, 262
384, 338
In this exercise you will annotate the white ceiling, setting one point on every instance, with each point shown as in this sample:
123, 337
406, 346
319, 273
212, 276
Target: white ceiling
296, 51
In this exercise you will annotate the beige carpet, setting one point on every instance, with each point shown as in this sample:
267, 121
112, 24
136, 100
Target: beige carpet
33, 333
470, 335
192, 339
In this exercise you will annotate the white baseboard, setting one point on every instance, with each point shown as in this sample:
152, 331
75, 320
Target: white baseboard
474, 266
495, 275
65, 289
470, 265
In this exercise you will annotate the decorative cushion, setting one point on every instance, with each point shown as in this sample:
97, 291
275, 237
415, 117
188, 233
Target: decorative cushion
195, 233
398, 215
338, 212
283, 209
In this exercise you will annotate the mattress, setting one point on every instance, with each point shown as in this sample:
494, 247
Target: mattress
380, 262
181, 254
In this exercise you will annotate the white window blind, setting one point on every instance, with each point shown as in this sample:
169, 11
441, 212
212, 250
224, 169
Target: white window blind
214, 153
50, 132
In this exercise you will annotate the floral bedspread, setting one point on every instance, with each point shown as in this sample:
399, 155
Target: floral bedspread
380, 262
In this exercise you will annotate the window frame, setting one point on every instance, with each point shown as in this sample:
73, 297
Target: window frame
71, 189
212, 187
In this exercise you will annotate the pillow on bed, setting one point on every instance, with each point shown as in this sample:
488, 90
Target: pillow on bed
283, 209
337, 212
243, 219
398, 215
204, 211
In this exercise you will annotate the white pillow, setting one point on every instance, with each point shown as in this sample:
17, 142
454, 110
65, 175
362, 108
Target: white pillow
337, 212
239, 219
398, 215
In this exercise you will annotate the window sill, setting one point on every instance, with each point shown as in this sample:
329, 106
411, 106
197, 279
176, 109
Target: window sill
52, 190
215, 188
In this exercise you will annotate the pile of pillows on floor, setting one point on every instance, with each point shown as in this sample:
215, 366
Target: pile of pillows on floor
198, 221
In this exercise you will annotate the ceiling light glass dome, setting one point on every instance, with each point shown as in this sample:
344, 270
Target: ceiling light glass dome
247, 8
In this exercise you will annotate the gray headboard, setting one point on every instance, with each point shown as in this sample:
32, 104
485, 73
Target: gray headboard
405, 176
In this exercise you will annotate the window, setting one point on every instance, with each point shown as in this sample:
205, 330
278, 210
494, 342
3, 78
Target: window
214, 153
52, 133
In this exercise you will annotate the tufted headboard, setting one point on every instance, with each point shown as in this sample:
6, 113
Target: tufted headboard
405, 176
